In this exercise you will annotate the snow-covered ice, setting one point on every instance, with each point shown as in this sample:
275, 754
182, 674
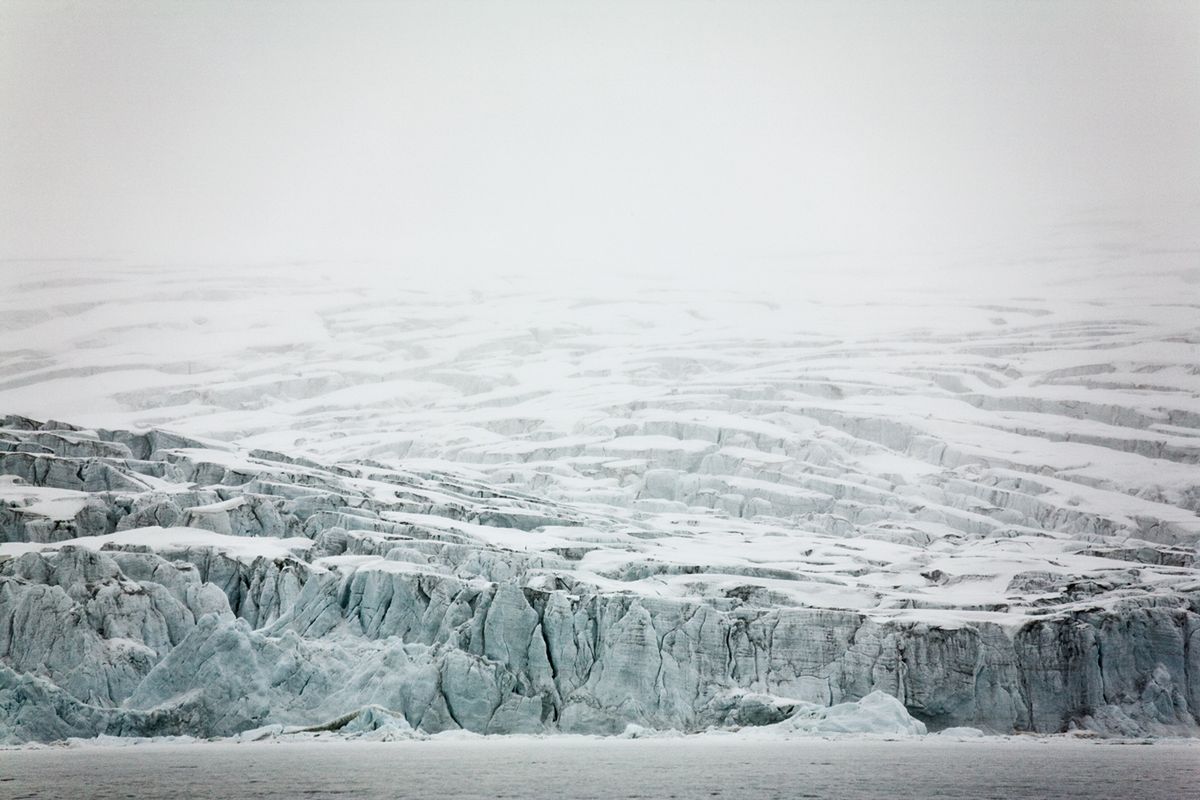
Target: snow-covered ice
299, 496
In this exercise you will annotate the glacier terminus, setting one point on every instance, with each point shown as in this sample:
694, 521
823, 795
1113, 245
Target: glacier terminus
513, 512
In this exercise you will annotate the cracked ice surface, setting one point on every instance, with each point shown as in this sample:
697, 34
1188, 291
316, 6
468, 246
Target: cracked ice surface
517, 508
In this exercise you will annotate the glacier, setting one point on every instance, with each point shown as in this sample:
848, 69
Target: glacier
284, 592
508, 511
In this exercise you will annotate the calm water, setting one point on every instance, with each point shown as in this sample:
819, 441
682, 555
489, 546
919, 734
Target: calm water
533, 769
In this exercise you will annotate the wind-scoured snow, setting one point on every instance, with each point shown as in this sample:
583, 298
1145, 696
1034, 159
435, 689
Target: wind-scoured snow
512, 508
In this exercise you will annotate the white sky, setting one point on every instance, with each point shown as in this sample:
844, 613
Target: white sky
568, 136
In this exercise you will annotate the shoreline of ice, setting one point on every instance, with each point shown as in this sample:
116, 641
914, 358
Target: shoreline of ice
530, 509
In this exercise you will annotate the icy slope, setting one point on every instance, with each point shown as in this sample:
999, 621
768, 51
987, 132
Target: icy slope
708, 503
956, 409
151, 584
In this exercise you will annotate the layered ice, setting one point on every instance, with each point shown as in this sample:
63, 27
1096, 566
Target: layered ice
510, 510
318, 593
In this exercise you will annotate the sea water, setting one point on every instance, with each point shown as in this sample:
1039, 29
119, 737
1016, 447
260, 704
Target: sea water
691, 768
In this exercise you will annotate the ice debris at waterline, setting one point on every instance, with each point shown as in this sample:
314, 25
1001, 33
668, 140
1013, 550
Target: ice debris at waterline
152, 584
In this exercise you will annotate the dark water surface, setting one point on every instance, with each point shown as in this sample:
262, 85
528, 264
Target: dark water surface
537, 769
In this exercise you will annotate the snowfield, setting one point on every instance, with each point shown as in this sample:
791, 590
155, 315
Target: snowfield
310, 496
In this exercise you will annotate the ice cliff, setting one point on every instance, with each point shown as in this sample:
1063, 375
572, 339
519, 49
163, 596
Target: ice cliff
152, 583
305, 496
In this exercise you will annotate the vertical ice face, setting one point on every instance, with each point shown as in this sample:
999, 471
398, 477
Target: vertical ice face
411, 612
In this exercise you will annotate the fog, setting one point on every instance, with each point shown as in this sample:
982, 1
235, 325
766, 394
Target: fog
678, 139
